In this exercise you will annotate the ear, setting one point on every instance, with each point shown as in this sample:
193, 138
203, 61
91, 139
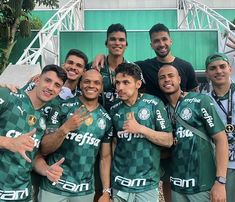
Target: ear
138, 84
179, 79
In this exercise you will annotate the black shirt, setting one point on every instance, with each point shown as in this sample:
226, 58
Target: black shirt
150, 68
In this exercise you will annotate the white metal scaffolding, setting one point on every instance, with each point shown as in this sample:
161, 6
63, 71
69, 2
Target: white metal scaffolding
70, 17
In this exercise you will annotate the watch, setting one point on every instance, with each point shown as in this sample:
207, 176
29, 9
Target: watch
108, 190
221, 180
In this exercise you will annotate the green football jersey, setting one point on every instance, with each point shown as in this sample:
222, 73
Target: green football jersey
18, 117
193, 163
79, 148
135, 165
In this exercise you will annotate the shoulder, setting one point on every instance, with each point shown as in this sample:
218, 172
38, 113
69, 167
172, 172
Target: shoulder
182, 63
197, 97
116, 106
151, 99
149, 61
103, 113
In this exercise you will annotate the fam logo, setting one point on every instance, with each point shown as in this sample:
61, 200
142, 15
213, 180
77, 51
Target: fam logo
101, 123
186, 114
144, 114
42, 123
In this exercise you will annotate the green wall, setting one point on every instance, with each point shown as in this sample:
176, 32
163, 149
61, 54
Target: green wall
44, 15
227, 13
131, 19
193, 46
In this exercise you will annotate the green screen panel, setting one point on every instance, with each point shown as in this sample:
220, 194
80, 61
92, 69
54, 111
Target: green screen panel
227, 13
193, 46
131, 19
44, 15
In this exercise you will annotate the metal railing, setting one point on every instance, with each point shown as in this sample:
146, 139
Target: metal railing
69, 17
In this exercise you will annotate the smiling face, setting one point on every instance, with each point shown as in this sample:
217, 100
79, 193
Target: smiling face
219, 72
48, 86
169, 79
161, 43
74, 67
91, 85
116, 43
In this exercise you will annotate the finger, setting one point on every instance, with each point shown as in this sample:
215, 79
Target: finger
28, 147
231, 39
81, 110
52, 177
132, 115
31, 132
23, 154
58, 163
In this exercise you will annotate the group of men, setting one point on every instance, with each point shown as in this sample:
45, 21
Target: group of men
128, 133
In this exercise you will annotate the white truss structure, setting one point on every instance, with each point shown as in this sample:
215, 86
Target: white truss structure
194, 15
68, 18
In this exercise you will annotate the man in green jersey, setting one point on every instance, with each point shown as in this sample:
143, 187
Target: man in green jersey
22, 127
141, 127
195, 175
116, 43
78, 128
218, 70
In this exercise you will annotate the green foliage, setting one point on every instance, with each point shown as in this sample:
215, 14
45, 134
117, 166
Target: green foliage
14, 15
36, 23
49, 3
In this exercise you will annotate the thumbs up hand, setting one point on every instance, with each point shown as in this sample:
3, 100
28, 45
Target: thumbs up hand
55, 171
131, 125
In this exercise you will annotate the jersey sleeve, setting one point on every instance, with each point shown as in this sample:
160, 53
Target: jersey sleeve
191, 78
210, 117
4, 98
108, 136
162, 121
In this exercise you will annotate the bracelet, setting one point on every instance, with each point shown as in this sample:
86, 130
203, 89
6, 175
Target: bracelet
108, 190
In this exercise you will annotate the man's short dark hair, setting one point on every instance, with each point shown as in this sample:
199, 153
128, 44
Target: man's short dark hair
116, 28
60, 72
158, 28
130, 69
77, 53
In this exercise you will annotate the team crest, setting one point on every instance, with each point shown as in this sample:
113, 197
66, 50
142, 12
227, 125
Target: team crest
32, 120
42, 123
101, 123
144, 114
89, 120
186, 113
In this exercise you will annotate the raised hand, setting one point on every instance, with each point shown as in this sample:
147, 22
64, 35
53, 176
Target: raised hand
22, 143
131, 125
76, 120
55, 171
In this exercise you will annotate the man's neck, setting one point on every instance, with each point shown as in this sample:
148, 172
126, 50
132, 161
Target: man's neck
168, 59
37, 104
114, 61
221, 90
90, 105
71, 84
173, 98
131, 101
